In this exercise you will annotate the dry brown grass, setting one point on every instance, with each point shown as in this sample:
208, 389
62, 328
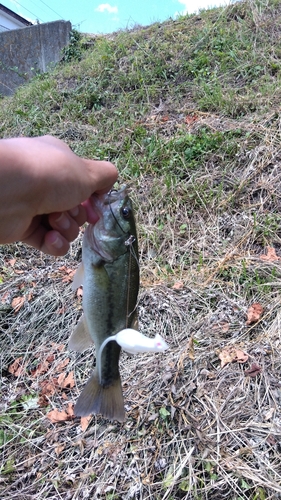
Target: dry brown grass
193, 429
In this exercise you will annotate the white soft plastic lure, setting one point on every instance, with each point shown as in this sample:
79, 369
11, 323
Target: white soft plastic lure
133, 342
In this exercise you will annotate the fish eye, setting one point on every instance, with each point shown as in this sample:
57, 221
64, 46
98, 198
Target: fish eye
126, 212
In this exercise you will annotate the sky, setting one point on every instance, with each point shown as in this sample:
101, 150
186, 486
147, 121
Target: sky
100, 16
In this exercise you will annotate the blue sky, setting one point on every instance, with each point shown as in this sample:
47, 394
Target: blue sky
102, 16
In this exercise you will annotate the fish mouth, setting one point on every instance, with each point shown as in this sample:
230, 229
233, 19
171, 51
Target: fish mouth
115, 195
98, 201
107, 229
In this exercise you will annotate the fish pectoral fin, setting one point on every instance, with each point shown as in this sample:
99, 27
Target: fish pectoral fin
80, 339
78, 278
96, 399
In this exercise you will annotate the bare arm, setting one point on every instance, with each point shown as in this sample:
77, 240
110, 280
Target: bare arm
44, 188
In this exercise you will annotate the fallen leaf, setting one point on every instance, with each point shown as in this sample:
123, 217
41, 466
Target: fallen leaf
253, 371
189, 119
165, 119
223, 327
60, 367
84, 422
58, 347
69, 274
66, 380
17, 303
70, 409
41, 368
79, 292
12, 262
271, 255
17, 367
5, 297
58, 416
178, 285
59, 448
61, 416
50, 358
231, 354
254, 313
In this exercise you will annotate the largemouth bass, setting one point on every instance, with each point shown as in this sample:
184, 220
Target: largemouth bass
110, 276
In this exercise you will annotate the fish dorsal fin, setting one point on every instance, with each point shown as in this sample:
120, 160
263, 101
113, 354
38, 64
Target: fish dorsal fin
78, 277
80, 339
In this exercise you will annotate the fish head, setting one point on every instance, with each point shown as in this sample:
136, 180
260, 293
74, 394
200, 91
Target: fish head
115, 230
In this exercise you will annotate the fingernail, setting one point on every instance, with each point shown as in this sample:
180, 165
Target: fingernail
74, 212
63, 221
58, 242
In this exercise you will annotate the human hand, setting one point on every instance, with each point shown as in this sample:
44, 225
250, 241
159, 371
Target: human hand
44, 192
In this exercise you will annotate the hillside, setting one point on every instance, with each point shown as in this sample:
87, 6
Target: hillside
189, 111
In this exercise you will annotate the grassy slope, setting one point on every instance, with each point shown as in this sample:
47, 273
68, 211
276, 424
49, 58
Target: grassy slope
189, 110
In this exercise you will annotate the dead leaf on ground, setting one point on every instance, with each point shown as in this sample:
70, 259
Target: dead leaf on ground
41, 368
58, 347
221, 327
12, 262
178, 285
5, 297
65, 381
17, 303
190, 119
59, 449
60, 367
69, 273
253, 371
231, 354
254, 313
56, 416
85, 422
17, 368
271, 255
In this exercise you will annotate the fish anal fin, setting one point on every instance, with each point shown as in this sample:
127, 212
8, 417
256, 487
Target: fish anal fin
78, 278
80, 339
96, 399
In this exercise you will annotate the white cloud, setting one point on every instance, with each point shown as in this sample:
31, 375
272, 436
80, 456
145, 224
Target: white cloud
191, 6
106, 7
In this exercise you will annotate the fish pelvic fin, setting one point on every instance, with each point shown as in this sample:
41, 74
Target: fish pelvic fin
80, 339
97, 399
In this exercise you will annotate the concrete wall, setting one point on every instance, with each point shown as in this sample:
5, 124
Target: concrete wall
34, 47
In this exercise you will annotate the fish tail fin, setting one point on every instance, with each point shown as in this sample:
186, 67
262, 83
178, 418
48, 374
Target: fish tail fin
94, 399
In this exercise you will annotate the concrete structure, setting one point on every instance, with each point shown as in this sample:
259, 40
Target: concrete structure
27, 51
9, 20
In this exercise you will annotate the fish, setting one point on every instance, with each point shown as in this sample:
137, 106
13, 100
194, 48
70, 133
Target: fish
109, 273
